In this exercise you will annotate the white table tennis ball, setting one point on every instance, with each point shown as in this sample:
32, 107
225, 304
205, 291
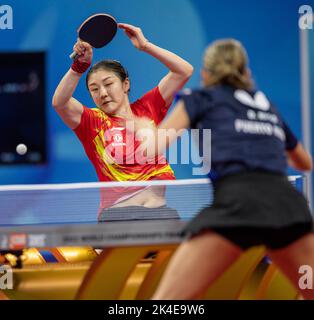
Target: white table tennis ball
21, 149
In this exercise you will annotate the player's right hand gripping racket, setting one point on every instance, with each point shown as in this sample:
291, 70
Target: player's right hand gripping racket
97, 30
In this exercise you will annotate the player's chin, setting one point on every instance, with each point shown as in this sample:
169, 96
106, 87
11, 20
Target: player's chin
109, 108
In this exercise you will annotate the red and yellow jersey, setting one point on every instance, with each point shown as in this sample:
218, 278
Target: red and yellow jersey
110, 147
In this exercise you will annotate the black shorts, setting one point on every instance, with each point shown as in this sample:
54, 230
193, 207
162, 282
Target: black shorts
137, 213
255, 208
272, 238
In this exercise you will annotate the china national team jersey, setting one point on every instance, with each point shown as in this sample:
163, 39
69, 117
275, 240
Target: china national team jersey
110, 147
247, 133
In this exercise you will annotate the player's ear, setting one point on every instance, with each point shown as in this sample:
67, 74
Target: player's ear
126, 85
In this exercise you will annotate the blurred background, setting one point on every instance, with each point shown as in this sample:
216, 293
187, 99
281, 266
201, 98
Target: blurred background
34, 56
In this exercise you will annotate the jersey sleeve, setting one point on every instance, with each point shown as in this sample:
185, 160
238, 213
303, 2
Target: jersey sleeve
196, 103
88, 119
152, 104
291, 140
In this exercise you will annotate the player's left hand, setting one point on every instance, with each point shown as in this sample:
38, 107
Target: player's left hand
135, 34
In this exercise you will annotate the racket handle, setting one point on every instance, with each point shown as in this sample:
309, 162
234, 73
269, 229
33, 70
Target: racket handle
74, 55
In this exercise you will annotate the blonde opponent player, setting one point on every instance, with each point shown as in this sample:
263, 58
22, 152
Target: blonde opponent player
102, 130
254, 203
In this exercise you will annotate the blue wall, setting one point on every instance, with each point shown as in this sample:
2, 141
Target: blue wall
268, 29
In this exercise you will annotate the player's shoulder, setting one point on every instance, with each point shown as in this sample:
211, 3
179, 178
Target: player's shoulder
90, 112
196, 94
191, 91
95, 113
150, 99
255, 98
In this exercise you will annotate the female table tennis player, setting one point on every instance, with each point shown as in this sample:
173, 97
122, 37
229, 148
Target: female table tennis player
102, 129
254, 203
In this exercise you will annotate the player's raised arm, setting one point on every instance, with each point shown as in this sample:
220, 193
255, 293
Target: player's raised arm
70, 109
179, 70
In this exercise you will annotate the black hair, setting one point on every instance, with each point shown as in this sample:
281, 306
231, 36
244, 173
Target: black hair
110, 65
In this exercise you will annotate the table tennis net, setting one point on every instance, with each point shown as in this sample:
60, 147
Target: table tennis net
81, 202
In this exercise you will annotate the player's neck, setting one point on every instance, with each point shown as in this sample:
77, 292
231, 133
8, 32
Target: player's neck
124, 110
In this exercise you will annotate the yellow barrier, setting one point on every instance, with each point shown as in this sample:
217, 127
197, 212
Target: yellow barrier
133, 273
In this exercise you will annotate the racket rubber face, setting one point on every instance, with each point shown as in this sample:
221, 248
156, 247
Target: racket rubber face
98, 30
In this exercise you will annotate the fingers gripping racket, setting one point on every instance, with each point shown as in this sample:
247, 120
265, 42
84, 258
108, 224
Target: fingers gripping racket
97, 30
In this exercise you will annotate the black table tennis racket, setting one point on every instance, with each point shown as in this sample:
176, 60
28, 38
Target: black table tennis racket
97, 30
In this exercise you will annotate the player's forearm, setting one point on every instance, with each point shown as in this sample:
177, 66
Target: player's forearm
66, 88
172, 61
300, 159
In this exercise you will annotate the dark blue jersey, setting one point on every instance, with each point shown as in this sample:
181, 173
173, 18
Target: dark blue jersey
247, 132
